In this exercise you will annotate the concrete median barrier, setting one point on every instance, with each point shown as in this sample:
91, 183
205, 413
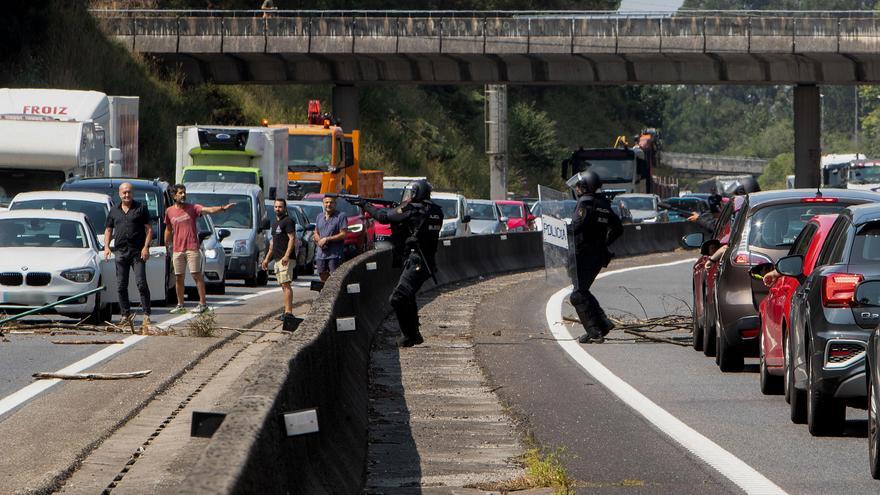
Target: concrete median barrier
324, 364
652, 238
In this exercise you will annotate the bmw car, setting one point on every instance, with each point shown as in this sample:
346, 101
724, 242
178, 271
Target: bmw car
50, 255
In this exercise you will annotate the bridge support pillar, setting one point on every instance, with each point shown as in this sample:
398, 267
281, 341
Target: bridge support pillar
807, 133
346, 106
495, 110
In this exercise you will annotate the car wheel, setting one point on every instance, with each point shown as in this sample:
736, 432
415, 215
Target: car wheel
250, 281
825, 415
873, 429
797, 399
708, 338
697, 328
262, 278
770, 384
729, 358
96, 317
218, 288
786, 383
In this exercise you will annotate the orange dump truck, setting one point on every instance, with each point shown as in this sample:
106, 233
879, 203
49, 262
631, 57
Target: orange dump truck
322, 158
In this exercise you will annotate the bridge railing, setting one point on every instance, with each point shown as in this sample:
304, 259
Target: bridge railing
493, 32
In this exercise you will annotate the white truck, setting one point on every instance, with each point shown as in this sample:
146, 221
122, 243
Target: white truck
50, 135
250, 155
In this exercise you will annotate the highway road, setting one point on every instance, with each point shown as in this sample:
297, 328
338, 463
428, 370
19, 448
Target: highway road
640, 417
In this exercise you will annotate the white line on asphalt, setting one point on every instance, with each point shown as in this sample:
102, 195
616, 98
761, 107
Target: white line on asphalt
730, 466
21, 396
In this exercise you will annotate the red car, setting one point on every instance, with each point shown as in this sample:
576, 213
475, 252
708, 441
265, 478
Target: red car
704, 279
361, 233
775, 308
519, 218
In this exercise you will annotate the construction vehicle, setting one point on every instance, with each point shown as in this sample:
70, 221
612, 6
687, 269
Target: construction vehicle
624, 167
325, 159
248, 155
50, 135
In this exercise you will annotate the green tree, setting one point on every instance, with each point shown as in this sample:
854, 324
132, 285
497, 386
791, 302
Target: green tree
775, 174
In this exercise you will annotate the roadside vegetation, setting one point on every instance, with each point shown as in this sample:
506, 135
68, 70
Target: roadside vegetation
544, 469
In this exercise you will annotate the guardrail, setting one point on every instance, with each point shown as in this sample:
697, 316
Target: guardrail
194, 31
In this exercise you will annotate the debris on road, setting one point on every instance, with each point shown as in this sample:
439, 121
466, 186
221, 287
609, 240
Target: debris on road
87, 342
93, 376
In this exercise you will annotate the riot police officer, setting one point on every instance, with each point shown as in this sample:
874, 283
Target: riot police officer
594, 226
415, 230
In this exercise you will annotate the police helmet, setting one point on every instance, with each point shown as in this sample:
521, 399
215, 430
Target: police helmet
417, 191
588, 181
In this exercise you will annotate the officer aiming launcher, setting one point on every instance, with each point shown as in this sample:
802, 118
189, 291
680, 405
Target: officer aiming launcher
415, 231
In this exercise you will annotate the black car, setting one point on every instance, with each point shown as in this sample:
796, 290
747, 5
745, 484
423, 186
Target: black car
825, 348
155, 194
867, 300
763, 231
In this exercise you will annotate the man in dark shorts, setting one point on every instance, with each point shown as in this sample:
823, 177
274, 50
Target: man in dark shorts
282, 248
330, 229
129, 225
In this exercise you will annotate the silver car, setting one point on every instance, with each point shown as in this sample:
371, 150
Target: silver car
486, 218
644, 208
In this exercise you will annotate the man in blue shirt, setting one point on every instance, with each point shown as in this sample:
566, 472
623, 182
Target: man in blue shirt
330, 230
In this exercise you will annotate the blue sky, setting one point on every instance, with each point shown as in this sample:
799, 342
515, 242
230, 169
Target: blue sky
653, 5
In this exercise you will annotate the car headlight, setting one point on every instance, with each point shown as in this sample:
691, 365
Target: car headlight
241, 247
211, 254
355, 228
81, 275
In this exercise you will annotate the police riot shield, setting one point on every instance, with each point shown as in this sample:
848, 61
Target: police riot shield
557, 207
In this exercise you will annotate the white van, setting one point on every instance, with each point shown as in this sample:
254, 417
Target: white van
456, 221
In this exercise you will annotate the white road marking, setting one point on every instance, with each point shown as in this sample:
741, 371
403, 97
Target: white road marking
730, 466
28, 392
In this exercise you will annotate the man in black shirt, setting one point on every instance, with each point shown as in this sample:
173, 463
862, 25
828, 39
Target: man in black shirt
129, 225
282, 248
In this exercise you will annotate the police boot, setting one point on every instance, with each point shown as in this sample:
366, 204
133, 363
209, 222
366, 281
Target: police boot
410, 340
592, 333
605, 324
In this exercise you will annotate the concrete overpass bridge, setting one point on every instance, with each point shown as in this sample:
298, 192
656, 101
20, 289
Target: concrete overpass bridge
713, 164
561, 48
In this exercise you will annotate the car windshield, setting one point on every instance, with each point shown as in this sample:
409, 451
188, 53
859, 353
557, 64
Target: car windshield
511, 211
202, 224
450, 207
240, 216
613, 170
638, 203
309, 153
775, 227
220, 176
97, 212
311, 209
685, 204
342, 206
482, 211
864, 175
42, 232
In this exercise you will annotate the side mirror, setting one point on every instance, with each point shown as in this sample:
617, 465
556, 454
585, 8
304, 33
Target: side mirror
530, 217
793, 266
694, 240
503, 219
709, 247
204, 235
868, 294
223, 233
758, 271
466, 219
264, 224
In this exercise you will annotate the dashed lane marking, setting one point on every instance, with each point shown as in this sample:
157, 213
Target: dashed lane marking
24, 394
730, 466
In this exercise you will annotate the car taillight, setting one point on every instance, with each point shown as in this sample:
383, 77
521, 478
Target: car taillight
749, 333
818, 199
743, 258
839, 288
842, 353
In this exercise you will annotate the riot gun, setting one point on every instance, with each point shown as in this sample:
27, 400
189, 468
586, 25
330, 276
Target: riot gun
357, 200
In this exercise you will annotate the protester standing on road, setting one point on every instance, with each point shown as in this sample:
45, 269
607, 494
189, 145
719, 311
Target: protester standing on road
128, 224
283, 247
329, 235
182, 234
594, 227
415, 230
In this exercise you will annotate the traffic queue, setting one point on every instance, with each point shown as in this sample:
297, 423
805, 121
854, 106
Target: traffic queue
792, 277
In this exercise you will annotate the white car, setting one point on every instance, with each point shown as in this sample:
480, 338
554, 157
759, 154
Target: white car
95, 206
49, 255
456, 221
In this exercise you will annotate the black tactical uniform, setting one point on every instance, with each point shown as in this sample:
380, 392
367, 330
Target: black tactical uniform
594, 226
415, 230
